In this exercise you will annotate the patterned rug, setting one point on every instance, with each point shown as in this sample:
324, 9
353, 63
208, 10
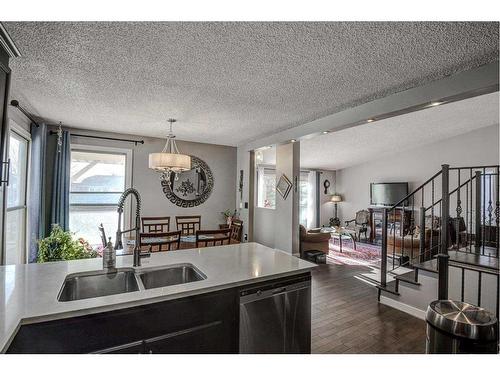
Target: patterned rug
365, 254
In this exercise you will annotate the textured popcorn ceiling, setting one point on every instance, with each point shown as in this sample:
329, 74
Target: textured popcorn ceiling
228, 83
374, 140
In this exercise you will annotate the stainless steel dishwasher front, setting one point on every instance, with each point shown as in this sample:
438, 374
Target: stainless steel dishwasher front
276, 317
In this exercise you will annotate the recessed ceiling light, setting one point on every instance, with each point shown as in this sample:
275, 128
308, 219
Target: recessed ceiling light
293, 140
370, 120
325, 132
433, 104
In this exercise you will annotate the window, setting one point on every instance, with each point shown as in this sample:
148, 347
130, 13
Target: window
15, 238
303, 198
98, 178
266, 187
488, 193
307, 199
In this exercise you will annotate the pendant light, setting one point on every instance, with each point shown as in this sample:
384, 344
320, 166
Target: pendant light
169, 160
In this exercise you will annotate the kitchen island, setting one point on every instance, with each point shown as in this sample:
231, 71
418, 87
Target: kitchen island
210, 315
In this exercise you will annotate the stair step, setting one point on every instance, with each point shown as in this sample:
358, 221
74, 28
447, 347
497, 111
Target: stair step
408, 278
470, 261
385, 289
429, 266
474, 260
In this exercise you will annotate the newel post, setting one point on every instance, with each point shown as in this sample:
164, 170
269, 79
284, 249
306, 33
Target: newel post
383, 265
443, 257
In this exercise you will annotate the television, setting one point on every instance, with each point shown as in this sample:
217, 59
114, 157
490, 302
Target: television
388, 193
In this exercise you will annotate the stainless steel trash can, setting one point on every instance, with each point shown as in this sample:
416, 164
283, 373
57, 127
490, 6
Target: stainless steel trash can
458, 327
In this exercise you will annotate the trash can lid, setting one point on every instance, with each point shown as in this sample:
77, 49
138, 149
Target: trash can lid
462, 319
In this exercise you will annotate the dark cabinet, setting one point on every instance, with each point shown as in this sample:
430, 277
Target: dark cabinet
138, 347
200, 324
207, 338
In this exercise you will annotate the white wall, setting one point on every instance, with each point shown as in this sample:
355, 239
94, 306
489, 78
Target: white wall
263, 228
414, 299
325, 206
220, 159
285, 226
276, 228
480, 147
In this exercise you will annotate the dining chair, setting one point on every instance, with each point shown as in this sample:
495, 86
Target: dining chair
161, 241
188, 225
217, 237
236, 230
155, 224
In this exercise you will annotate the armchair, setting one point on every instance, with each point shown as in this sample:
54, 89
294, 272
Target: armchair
313, 240
358, 225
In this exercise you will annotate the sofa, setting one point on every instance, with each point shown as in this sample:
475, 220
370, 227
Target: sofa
399, 244
313, 240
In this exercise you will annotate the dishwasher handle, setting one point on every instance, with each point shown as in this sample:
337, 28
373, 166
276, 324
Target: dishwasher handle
268, 291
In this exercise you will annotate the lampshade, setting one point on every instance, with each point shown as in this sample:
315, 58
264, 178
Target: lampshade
163, 161
169, 159
335, 198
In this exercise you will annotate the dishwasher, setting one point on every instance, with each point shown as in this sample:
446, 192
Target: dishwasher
276, 317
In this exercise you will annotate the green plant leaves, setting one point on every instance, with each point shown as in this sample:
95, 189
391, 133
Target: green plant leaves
60, 245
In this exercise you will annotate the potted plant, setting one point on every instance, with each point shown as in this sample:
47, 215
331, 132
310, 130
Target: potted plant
60, 245
229, 216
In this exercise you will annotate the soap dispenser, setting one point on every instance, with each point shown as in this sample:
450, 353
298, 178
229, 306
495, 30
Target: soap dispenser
109, 256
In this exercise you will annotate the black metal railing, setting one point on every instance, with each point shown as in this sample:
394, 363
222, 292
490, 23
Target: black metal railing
455, 212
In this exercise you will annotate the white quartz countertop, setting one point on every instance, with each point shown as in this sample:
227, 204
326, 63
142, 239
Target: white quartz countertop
28, 293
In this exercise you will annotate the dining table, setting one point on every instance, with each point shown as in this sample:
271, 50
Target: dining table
186, 242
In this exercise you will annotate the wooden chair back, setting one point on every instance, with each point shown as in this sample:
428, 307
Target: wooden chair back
188, 225
236, 230
155, 224
160, 241
218, 237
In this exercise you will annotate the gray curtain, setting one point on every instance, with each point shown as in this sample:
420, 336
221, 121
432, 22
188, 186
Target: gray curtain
36, 203
59, 213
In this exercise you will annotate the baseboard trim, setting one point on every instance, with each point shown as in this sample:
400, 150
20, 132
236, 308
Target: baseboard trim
413, 311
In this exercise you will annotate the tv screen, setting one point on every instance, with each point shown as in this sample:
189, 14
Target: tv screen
387, 194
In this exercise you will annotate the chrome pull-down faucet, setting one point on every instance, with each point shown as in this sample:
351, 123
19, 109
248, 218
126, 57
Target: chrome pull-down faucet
137, 229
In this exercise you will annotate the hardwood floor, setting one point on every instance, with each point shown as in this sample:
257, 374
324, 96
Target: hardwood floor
346, 317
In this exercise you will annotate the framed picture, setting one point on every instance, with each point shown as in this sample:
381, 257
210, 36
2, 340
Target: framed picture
284, 186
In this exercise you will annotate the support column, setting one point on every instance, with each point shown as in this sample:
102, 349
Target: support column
286, 235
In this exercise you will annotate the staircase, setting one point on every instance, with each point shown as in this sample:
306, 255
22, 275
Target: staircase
446, 246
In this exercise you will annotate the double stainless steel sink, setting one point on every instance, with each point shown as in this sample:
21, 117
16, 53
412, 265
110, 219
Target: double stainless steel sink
125, 280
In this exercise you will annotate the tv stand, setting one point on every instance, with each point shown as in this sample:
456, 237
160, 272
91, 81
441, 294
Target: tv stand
399, 214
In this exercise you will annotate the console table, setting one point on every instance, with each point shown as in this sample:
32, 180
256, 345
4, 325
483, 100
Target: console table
399, 215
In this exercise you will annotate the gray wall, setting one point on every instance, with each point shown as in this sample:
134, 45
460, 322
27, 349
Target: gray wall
243, 163
220, 159
480, 147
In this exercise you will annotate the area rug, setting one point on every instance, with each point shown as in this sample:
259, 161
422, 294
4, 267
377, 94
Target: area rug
365, 254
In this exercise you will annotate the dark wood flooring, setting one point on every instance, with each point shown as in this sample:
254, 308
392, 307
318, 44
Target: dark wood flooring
346, 317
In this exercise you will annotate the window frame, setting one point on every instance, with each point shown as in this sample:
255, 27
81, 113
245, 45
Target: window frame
128, 173
257, 180
24, 134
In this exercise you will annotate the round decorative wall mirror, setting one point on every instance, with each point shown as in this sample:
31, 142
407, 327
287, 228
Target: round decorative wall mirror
190, 188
